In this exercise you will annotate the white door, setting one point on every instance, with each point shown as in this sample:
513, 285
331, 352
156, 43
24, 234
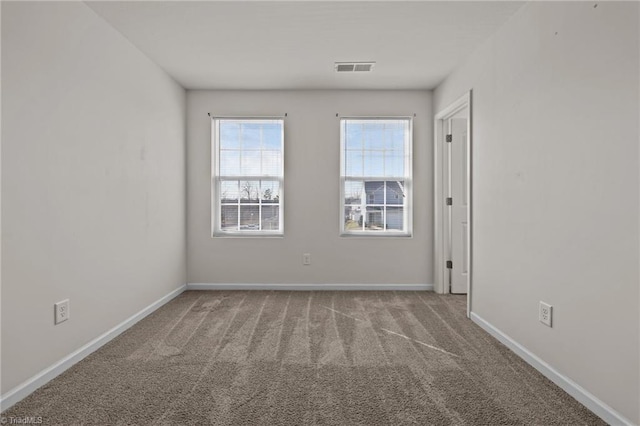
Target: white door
458, 193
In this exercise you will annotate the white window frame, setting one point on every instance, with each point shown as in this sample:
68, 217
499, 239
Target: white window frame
407, 178
217, 179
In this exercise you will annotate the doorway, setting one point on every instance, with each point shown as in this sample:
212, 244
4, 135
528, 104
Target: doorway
452, 203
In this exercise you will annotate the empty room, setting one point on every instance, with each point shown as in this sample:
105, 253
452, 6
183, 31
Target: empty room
320, 212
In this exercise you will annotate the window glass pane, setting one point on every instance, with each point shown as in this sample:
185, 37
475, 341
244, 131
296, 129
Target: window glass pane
395, 192
250, 217
393, 164
271, 162
229, 163
353, 192
373, 163
373, 219
374, 191
229, 217
394, 137
229, 135
352, 218
373, 136
250, 163
395, 218
229, 191
270, 192
249, 191
251, 135
272, 136
270, 218
353, 134
353, 166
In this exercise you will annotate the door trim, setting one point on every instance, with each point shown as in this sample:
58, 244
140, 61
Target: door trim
441, 177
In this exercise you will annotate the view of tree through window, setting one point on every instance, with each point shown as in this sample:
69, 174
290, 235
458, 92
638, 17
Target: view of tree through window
376, 175
248, 175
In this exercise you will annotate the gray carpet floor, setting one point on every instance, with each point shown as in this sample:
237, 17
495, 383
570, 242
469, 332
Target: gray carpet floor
304, 358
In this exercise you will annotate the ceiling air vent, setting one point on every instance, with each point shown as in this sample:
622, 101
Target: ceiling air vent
354, 66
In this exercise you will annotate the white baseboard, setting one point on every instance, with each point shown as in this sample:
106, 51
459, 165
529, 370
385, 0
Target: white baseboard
310, 287
583, 396
22, 390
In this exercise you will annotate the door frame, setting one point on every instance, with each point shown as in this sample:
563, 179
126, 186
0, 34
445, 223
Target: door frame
441, 186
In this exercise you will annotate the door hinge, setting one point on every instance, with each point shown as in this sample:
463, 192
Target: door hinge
449, 201
449, 138
449, 264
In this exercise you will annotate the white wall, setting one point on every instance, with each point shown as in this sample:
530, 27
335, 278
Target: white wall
93, 182
555, 184
312, 212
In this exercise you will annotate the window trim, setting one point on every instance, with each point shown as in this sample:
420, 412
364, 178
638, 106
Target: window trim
408, 182
216, 179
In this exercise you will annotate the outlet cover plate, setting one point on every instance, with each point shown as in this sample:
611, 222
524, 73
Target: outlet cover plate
545, 313
61, 310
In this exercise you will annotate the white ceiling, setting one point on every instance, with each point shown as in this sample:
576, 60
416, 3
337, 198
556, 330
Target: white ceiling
293, 45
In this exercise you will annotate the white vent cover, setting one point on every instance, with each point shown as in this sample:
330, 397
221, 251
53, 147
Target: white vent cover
354, 66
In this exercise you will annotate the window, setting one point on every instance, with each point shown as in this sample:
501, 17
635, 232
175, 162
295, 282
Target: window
375, 157
247, 176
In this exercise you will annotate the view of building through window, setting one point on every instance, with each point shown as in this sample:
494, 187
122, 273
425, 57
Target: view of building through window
376, 175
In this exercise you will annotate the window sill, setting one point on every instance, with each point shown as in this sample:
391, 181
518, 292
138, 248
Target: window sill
247, 235
376, 234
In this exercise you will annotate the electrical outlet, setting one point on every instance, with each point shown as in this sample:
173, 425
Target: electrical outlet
306, 258
545, 312
61, 310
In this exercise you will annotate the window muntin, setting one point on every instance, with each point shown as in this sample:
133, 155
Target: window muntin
376, 176
247, 176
